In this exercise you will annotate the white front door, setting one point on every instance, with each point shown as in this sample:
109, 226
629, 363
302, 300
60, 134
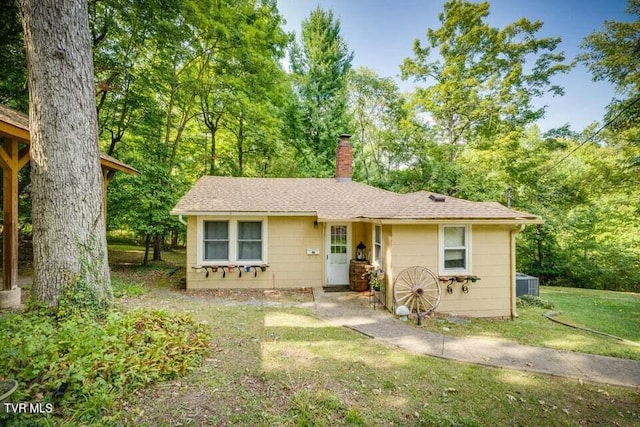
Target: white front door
338, 253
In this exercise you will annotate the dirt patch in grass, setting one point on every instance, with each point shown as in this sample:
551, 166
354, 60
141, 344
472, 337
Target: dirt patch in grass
300, 295
165, 404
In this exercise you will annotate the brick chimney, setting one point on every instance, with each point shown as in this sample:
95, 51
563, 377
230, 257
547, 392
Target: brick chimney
344, 158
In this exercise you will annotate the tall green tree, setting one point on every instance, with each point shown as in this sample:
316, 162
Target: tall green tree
204, 98
241, 94
485, 83
320, 63
125, 36
376, 108
612, 55
590, 237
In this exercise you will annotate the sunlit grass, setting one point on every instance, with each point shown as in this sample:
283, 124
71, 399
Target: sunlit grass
281, 319
283, 366
616, 313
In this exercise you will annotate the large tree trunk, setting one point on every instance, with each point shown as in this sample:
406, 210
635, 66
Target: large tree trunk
69, 242
158, 244
147, 242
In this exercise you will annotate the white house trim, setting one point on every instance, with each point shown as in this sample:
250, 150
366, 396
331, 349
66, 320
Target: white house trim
467, 248
233, 240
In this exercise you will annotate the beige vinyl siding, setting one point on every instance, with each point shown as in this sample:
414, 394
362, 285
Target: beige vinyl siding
361, 232
403, 245
288, 239
491, 296
418, 245
408, 246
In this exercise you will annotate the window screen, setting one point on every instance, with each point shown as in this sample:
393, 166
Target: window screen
216, 240
249, 240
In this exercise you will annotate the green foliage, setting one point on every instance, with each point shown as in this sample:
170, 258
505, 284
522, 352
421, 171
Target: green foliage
612, 54
13, 73
80, 299
590, 207
533, 301
481, 89
54, 359
186, 88
143, 203
377, 112
320, 64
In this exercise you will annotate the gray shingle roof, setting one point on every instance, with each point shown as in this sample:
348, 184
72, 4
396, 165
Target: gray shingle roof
331, 199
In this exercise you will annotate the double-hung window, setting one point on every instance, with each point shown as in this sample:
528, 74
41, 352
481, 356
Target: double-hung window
455, 249
216, 240
231, 241
249, 240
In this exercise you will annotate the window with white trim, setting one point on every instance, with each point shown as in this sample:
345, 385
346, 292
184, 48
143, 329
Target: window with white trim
249, 240
216, 241
230, 241
454, 254
377, 245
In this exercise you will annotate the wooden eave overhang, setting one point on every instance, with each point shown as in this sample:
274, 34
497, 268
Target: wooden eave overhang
15, 125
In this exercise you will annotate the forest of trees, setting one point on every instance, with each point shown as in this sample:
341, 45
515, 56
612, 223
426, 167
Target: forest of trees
186, 88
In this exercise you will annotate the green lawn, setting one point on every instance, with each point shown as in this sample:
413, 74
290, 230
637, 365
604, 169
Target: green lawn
611, 312
615, 313
282, 366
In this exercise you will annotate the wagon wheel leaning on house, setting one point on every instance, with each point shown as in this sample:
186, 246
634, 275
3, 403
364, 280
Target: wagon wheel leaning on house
418, 289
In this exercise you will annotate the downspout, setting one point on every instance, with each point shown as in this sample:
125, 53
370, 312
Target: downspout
517, 229
182, 221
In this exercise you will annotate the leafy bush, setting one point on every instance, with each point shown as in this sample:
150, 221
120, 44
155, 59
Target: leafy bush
81, 299
82, 365
533, 301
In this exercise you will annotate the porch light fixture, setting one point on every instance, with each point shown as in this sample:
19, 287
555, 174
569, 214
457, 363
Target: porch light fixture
361, 251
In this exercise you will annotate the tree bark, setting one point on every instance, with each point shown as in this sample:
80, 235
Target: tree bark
147, 242
158, 244
69, 242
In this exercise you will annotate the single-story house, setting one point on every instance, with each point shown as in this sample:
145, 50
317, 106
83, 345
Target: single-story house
304, 232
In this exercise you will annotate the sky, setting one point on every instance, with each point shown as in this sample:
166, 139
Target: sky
381, 34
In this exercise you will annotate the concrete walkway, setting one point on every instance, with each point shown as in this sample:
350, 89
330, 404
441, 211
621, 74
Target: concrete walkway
352, 310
